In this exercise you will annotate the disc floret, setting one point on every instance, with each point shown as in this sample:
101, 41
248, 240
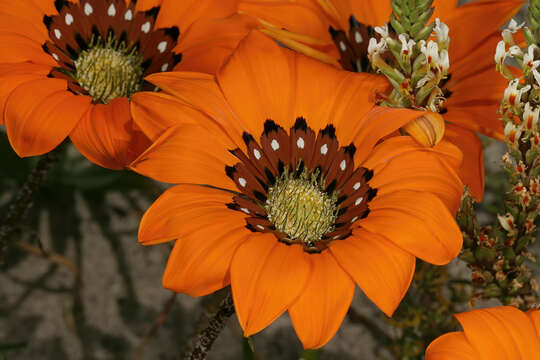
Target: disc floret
109, 69
299, 207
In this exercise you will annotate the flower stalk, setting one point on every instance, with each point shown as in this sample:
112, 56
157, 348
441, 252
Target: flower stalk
23, 201
416, 65
497, 254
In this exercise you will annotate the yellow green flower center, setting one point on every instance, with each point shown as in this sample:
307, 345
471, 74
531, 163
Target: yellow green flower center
108, 70
299, 207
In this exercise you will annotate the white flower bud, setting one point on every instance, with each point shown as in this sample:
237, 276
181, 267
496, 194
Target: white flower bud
441, 31
528, 58
406, 46
500, 53
530, 117
513, 26
382, 30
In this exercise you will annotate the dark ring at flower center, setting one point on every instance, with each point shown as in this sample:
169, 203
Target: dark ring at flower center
105, 48
302, 187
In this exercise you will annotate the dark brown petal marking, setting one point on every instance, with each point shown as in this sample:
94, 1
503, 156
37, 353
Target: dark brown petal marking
78, 26
353, 47
293, 157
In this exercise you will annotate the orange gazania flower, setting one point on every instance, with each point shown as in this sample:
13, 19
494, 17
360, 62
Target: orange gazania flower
500, 333
338, 32
70, 67
301, 198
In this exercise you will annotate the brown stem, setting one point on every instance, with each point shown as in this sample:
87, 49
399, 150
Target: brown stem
155, 327
51, 256
23, 201
205, 339
378, 334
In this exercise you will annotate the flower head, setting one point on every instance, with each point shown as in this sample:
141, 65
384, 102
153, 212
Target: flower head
82, 61
300, 190
496, 333
471, 91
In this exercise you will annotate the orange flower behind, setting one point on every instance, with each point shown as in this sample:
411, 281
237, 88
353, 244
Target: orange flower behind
338, 33
499, 333
71, 67
300, 196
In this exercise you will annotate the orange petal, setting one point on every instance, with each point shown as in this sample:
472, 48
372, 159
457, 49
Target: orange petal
184, 13
156, 112
46, 7
334, 96
203, 93
187, 154
475, 101
257, 82
443, 8
143, 5
266, 277
471, 19
502, 333
38, 123
14, 74
534, 315
417, 222
21, 26
451, 346
106, 135
208, 234
401, 164
320, 309
207, 44
22, 48
372, 12
378, 123
183, 209
471, 171
381, 269
294, 16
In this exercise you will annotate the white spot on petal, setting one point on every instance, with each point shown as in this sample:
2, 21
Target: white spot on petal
343, 165
57, 33
145, 28
357, 186
324, 149
245, 210
242, 182
69, 19
335, 237
162, 46
128, 16
260, 227
88, 9
257, 154
342, 46
156, 89
55, 57
164, 67
274, 144
358, 37
354, 219
300, 143
358, 201
111, 11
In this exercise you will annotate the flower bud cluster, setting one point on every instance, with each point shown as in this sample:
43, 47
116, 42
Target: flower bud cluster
414, 66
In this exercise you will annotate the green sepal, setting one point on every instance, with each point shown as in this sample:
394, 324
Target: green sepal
424, 33
492, 291
485, 255
397, 25
509, 253
522, 242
